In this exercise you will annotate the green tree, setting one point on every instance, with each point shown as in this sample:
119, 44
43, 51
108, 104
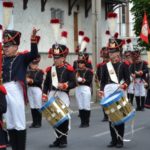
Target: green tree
138, 9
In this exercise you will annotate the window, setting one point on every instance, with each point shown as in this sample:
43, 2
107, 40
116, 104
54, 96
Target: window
123, 14
58, 13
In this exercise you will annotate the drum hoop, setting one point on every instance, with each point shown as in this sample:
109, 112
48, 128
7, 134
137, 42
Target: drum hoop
48, 103
125, 119
102, 102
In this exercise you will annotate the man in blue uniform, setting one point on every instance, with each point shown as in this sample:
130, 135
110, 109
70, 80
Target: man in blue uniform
84, 76
34, 80
105, 56
115, 75
3, 107
14, 73
59, 80
138, 70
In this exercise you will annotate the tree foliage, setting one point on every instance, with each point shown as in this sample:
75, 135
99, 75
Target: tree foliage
138, 9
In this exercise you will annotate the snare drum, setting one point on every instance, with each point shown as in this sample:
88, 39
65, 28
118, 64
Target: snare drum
55, 111
118, 108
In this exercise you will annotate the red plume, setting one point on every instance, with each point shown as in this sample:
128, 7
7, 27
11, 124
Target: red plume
64, 34
54, 21
1, 27
107, 32
128, 41
112, 15
116, 35
8, 4
81, 33
86, 39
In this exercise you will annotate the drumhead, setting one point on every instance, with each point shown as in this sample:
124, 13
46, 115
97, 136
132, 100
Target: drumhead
107, 101
48, 103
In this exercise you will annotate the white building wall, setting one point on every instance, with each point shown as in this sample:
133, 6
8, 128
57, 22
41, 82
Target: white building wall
123, 25
25, 20
131, 22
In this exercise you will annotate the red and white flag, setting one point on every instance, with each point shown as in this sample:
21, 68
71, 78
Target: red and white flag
145, 29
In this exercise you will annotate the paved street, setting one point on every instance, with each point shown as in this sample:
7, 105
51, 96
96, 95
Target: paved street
96, 137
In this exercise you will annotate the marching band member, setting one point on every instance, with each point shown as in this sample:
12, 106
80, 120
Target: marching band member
60, 78
128, 48
105, 55
84, 78
82, 40
3, 108
14, 71
139, 70
147, 101
115, 76
113, 73
88, 63
34, 80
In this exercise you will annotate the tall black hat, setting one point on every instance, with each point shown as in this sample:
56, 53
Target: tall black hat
11, 37
115, 45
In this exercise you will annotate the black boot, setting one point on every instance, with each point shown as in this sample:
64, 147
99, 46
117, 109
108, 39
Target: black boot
113, 142
138, 108
21, 139
81, 114
63, 142
142, 103
38, 119
13, 138
63, 128
120, 130
87, 118
131, 97
55, 143
105, 116
33, 113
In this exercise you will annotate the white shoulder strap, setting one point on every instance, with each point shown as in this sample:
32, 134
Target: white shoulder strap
112, 72
54, 77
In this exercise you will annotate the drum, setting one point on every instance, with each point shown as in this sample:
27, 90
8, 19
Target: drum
55, 111
118, 108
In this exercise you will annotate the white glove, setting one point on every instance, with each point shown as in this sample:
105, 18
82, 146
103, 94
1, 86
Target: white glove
79, 79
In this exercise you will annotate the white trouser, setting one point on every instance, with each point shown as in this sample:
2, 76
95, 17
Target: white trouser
83, 97
111, 88
139, 88
15, 115
35, 97
131, 88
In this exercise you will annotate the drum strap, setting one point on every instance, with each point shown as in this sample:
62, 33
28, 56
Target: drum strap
132, 132
118, 135
69, 128
54, 77
112, 72
65, 134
